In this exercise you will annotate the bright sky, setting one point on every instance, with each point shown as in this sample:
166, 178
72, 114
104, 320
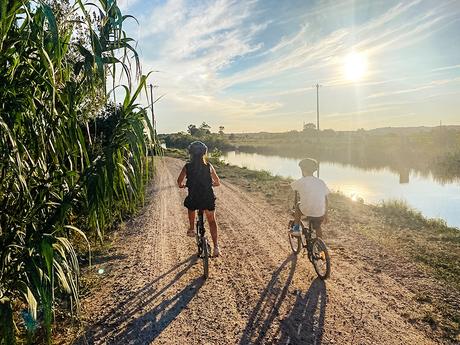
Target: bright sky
251, 65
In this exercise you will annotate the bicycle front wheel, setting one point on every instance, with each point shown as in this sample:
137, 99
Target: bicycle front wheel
199, 245
206, 254
321, 259
295, 242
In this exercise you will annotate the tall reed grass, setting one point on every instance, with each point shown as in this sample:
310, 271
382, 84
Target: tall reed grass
71, 161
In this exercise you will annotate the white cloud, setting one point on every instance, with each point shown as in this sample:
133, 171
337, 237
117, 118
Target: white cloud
193, 44
445, 68
430, 85
374, 37
125, 5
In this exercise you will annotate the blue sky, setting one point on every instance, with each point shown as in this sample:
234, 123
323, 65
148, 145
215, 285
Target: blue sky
250, 65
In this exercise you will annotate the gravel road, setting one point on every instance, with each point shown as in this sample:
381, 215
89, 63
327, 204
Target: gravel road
258, 292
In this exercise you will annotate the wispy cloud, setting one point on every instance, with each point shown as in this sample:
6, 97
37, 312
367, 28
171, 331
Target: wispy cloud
199, 41
300, 52
430, 85
209, 51
126, 5
234, 108
445, 68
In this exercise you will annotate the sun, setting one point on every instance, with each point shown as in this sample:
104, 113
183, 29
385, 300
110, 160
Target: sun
355, 66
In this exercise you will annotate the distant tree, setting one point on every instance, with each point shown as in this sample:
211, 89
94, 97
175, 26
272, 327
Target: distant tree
221, 130
232, 136
201, 131
309, 126
328, 132
205, 128
193, 130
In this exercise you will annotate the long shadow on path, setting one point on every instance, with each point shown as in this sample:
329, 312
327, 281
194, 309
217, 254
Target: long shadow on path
305, 323
141, 315
267, 308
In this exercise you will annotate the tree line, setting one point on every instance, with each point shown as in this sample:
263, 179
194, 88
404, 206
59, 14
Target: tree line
181, 140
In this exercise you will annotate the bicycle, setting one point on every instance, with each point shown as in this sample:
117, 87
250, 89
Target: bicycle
204, 248
315, 247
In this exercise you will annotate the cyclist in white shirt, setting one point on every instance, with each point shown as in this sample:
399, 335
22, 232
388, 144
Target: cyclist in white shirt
313, 197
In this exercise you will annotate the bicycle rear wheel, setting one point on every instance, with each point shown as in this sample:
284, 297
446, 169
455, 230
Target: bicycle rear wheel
206, 254
321, 259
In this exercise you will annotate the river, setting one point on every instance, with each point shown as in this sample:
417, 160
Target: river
433, 198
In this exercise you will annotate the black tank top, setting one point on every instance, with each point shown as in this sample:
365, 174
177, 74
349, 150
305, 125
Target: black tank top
199, 181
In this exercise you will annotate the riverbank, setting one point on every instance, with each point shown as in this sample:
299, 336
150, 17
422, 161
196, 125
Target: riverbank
431, 250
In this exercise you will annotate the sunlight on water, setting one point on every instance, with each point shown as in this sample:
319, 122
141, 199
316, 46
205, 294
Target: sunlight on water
422, 192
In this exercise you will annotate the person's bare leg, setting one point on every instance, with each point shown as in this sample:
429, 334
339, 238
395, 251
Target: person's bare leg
211, 216
297, 215
319, 231
191, 219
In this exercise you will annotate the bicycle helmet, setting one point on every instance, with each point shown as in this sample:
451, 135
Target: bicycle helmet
197, 148
308, 164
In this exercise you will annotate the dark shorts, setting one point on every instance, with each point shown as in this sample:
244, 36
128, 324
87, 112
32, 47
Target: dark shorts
315, 222
192, 205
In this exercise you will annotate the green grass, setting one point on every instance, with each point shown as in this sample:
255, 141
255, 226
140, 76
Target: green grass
398, 212
436, 244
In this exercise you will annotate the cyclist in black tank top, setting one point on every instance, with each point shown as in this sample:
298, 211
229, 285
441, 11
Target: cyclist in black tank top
199, 184
201, 177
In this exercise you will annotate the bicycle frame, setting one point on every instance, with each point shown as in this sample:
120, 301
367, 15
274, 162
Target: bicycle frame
202, 243
200, 231
200, 223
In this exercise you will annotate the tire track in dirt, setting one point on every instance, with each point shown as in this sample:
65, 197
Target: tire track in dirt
257, 293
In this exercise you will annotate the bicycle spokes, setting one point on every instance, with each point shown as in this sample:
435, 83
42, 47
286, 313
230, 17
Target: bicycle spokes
320, 258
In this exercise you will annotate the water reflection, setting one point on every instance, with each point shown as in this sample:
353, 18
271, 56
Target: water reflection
404, 175
399, 161
433, 197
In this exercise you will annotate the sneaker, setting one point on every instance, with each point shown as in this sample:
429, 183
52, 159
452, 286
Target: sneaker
295, 230
216, 251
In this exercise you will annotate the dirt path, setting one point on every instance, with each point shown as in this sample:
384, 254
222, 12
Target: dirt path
257, 293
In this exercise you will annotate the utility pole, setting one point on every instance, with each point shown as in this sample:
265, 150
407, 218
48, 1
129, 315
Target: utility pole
317, 122
151, 103
317, 106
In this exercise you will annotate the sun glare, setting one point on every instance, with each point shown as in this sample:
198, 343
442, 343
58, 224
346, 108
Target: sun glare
355, 66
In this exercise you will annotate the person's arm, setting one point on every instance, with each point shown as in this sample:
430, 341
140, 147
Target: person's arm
295, 185
326, 201
214, 177
180, 179
325, 213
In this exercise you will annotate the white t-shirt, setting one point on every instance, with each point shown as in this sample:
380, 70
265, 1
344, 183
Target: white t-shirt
312, 192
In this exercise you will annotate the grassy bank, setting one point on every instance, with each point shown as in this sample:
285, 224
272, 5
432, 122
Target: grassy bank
430, 244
